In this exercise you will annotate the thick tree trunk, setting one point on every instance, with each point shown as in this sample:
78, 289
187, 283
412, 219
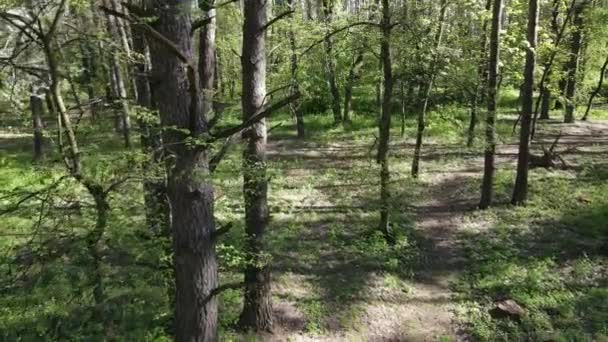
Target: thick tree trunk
487, 187
576, 44
37, 108
385, 124
189, 187
257, 306
428, 88
353, 76
520, 192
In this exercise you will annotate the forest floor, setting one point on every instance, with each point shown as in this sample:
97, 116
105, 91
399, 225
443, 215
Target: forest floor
334, 277
335, 280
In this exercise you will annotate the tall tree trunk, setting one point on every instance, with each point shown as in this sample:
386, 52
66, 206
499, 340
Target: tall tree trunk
520, 192
207, 60
385, 124
487, 187
545, 107
482, 78
257, 307
576, 44
353, 75
330, 65
118, 87
189, 187
37, 108
428, 88
295, 106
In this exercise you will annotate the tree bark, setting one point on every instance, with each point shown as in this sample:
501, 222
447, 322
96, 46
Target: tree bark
207, 60
37, 108
385, 124
520, 192
257, 306
295, 106
189, 187
118, 83
576, 44
545, 107
487, 188
428, 88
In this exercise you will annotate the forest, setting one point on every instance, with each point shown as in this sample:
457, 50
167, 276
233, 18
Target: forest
304, 170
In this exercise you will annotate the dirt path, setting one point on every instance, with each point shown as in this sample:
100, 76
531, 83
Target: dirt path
425, 311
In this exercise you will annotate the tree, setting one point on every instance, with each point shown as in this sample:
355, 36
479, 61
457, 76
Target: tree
487, 186
257, 308
385, 123
330, 65
427, 90
189, 188
520, 192
573, 64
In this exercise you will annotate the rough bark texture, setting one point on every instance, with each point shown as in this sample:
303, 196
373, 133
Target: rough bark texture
576, 44
257, 307
189, 186
487, 187
385, 124
520, 192
428, 88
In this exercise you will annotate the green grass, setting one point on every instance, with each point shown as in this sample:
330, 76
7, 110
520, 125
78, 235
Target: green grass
323, 241
549, 256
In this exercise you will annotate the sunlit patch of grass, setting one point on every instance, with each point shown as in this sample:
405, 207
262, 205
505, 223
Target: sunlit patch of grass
546, 256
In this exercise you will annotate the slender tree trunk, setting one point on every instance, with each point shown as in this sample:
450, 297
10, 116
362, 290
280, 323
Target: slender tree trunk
404, 98
545, 107
482, 78
330, 66
576, 44
118, 84
353, 75
37, 108
487, 188
597, 89
428, 88
207, 60
295, 106
189, 187
385, 124
520, 192
89, 69
257, 307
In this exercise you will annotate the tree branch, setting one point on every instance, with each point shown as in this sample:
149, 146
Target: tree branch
275, 19
261, 114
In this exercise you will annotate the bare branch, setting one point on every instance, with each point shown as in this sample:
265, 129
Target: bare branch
275, 19
261, 114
